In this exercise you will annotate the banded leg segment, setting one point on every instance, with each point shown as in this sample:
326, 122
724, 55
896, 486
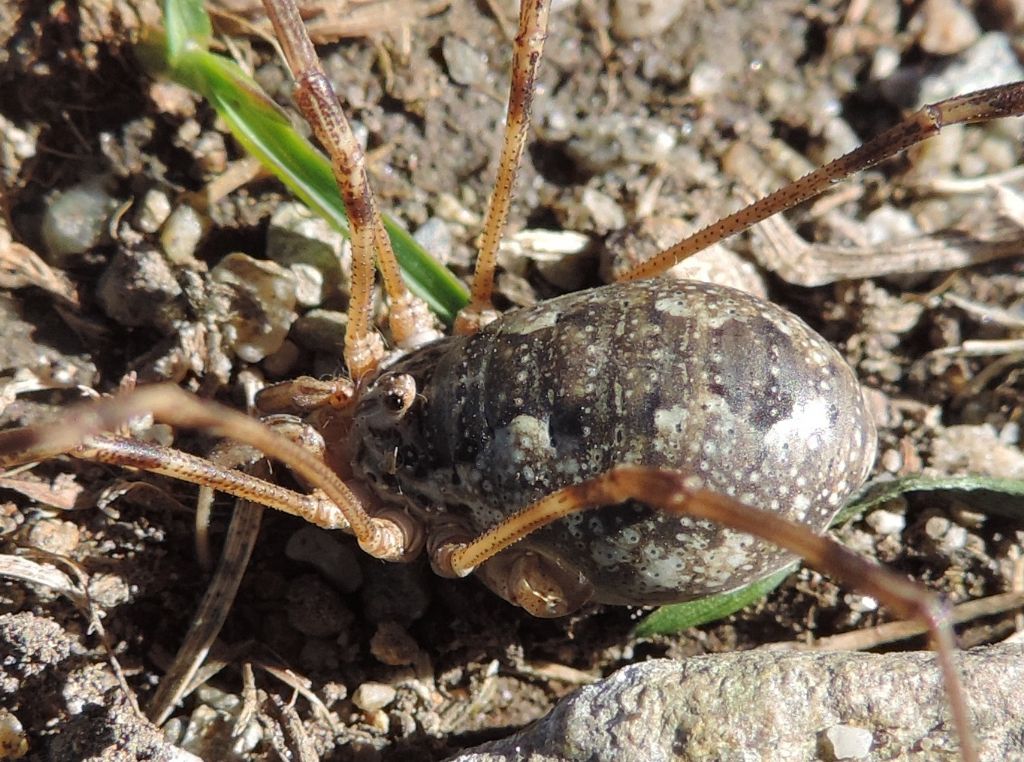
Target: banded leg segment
529, 47
666, 490
81, 431
980, 106
409, 318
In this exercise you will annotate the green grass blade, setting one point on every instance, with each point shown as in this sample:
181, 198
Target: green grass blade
265, 132
669, 620
988, 494
187, 26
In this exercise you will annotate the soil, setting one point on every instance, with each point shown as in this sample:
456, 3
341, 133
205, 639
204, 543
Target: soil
624, 128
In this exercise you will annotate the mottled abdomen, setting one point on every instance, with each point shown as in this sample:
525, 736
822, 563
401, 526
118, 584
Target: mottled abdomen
736, 393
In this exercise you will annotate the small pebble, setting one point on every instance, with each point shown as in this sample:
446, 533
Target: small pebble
945, 27
211, 153
153, 212
333, 559
605, 212
109, 590
54, 536
937, 526
435, 236
280, 364
256, 321
296, 235
392, 644
955, 538
16, 147
466, 65
138, 288
849, 742
13, 738
321, 331
631, 19
181, 235
309, 284
886, 522
371, 697
75, 221
315, 609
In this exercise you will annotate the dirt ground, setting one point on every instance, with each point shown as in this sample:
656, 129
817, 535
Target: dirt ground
628, 124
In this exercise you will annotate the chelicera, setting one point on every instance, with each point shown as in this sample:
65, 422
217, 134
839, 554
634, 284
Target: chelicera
588, 449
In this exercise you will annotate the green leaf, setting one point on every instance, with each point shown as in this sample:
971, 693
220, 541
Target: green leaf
188, 25
988, 494
265, 131
669, 620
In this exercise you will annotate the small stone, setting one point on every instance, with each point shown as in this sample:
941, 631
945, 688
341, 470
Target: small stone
138, 288
315, 609
955, 538
605, 212
333, 559
707, 80
16, 147
599, 145
54, 536
211, 153
109, 590
392, 644
261, 308
937, 526
886, 522
371, 697
944, 27
279, 364
848, 742
296, 235
13, 739
181, 235
153, 212
321, 331
435, 236
632, 245
989, 61
75, 221
309, 284
644, 18
891, 460
466, 65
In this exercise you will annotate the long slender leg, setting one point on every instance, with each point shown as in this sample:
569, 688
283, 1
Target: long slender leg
667, 491
409, 318
80, 433
981, 106
529, 46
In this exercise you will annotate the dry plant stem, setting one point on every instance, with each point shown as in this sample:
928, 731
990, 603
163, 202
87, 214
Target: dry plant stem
818, 264
166, 402
212, 611
891, 632
318, 102
529, 46
666, 490
980, 106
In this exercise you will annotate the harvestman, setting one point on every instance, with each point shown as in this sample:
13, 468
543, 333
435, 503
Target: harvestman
390, 533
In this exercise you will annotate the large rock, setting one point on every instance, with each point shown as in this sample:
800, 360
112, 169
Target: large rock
779, 706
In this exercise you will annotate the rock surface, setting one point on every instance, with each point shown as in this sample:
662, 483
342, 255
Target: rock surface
771, 705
